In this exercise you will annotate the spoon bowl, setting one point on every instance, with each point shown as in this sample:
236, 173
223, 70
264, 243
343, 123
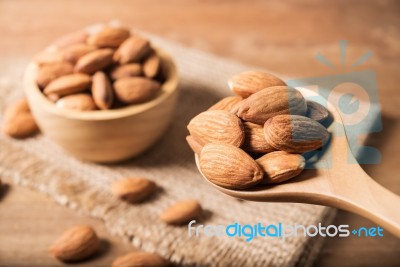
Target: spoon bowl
336, 181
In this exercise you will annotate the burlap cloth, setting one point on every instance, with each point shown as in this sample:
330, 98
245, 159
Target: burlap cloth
40, 164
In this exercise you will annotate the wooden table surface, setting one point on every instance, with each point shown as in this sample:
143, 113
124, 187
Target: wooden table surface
281, 37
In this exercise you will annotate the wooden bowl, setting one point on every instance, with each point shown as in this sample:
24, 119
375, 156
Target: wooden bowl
106, 135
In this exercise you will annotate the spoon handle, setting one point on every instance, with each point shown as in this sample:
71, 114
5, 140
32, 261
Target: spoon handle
372, 201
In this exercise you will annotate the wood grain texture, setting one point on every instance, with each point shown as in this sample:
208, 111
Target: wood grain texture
281, 37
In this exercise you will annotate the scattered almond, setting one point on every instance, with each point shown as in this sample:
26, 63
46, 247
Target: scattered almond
140, 259
229, 166
267, 103
128, 70
217, 126
255, 140
249, 82
132, 50
109, 37
81, 102
295, 134
151, 65
280, 166
68, 84
18, 121
75, 244
316, 111
94, 61
133, 189
226, 103
102, 91
134, 90
49, 72
182, 212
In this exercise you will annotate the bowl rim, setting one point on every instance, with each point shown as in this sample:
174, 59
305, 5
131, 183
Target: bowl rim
167, 88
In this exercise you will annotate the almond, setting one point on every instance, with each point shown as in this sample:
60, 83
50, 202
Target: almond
48, 57
267, 103
134, 90
151, 65
226, 103
94, 61
49, 72
74, 52
217, 126
295, 134
68, 84
140, 258
75, 244
255, 140
133, 189
109, 37
77, 37
317, 111
249, 82
133, 49
127, 70
18, 121
280, 166
229, 166
102, 91
182, 212
82, 102
194, 145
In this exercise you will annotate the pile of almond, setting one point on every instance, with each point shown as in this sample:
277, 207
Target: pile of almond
107, 69
259, 135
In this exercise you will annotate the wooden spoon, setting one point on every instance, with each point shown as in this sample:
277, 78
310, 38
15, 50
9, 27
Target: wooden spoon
343, 184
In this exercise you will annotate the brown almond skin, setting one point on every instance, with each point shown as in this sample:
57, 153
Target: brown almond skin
102, 91
217, 126
127, 70
140, 259
133, 90
49, 72
229, 166
194, 145
255, 140
94, 61
75, 244
226, 103
267, 103
133, 49
280, 166
18, 121
317, 111
249, 82
81, 102
68, 84
48, 57
74, 52
77, 37
109, 37
133, 190
182, 212
151, 65
295, 134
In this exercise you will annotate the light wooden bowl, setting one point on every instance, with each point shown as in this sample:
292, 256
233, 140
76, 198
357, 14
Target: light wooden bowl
106, 135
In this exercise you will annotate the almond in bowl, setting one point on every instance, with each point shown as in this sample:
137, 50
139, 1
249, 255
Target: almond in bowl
105, 96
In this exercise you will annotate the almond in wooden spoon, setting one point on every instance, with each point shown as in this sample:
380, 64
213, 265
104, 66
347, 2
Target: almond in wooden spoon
133, 90
151, 65
50, 72
81, 102
68, 84
109, 37
133, 49
102, 91
127, 70
94, 61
